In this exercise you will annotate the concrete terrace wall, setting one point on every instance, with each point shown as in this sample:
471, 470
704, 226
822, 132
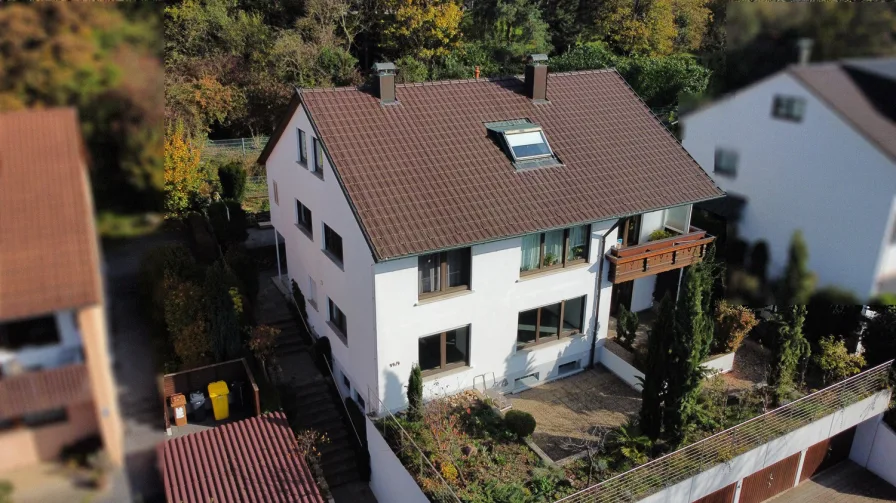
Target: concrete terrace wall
350, 285
874, 447
621, 368
768, 454
389, 480
491, 308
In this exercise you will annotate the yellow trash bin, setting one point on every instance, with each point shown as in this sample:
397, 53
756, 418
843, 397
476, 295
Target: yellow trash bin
218, 392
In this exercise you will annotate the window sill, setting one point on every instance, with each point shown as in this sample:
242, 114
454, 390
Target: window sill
335, 259
317, 172
303, 164
541, 274
339, 335
313, 305
725, 173
545, 345
305, 231
448, 373
444, 296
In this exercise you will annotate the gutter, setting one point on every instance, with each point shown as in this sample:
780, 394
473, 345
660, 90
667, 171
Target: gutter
600, 279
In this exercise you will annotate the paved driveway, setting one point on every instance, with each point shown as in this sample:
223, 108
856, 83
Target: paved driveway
845, 483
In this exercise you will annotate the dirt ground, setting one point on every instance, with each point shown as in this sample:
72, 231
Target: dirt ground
565, 410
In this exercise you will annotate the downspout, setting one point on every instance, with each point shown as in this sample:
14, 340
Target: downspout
600, 279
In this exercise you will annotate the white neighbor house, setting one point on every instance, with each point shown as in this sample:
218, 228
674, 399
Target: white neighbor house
455, 224
812, 147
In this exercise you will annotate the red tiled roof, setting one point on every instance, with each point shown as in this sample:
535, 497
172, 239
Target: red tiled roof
424, 175
835, 84
43, 390
250, 461
48, 259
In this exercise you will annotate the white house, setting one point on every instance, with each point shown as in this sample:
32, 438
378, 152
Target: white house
463, 225
813, 148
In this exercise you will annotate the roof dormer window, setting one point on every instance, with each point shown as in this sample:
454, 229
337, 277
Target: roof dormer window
523, 141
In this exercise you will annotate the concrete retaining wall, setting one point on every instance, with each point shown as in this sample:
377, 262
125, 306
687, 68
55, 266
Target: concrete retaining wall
874, 448
389, 480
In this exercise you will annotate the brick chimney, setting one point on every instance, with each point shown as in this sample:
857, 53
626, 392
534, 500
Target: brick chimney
537, 78
384, 73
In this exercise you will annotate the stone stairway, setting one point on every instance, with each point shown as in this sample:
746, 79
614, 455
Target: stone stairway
309, 398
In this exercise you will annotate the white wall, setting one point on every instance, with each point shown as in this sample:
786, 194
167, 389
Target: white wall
497, 296
642, 290
389, 480
67, 351
768, 454
621, 368
874, 449
352, 288
819, 175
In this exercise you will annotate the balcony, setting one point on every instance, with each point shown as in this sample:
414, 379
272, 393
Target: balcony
43, 390
633, 262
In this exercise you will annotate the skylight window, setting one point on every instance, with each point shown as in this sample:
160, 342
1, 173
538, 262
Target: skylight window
528, 144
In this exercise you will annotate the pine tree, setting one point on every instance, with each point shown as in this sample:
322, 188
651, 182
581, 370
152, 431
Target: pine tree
798, 282
415, 394
690, 345
654, 382
791, 348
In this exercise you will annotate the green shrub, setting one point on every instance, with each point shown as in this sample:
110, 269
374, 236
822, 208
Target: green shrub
883, 299
233, 180
660, 234
243, 267
415, 394
732, 325
173, 260
229, 222
224, 310
520, 423
835, 362
507, 493
5, 491
205, 245
626, 326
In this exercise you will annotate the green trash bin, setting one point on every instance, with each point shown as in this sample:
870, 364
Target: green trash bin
218, 392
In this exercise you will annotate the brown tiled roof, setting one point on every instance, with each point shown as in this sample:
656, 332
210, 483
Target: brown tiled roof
835, 84
48, 257
424, 175
43, 390
250, 461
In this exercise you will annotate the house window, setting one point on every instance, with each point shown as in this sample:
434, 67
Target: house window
312, 292
789, 108
553, 249
551, 322
726, 162
337, 319
45, 418
303, 150
34, 332
318, 157
444, 351
360, 401
443, 272
333, 243
303, 217
346, 382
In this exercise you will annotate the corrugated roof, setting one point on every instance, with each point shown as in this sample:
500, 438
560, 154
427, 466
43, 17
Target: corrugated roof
853, 96
255, 460
48, 256
43, 390
424, 174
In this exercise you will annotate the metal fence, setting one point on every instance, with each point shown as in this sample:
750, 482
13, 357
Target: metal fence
236, 146
256, 187
430, 480
683, 464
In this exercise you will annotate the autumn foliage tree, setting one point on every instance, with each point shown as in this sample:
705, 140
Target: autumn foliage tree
184, 176
262, 343
424, 29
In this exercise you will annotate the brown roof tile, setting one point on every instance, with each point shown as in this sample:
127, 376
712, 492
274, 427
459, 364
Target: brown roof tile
48, 257
255, 460
424, 175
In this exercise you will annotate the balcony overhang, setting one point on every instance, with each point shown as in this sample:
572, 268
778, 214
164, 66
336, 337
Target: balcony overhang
654, 257
44, 390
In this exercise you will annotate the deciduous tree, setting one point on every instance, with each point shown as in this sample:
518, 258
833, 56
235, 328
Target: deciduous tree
184, 175
425, 29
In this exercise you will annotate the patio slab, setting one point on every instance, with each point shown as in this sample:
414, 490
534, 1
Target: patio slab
566, 409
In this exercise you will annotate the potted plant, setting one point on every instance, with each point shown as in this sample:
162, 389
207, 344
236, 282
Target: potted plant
549, 259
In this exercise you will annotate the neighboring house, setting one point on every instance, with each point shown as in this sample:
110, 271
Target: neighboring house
256, 459
463, 225
813, 148
56, 383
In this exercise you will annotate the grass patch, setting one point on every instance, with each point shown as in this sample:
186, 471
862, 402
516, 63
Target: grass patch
114, 225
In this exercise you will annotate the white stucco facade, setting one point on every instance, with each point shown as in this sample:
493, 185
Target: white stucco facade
819, 175
386, 317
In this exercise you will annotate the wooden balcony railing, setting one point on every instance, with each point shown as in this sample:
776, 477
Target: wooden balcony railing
43, 390
633, 262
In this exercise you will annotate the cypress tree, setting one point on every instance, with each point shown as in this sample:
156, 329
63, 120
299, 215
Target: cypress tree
791, 348
655, 379
415, 394
224, 311
798, 282
690, 346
